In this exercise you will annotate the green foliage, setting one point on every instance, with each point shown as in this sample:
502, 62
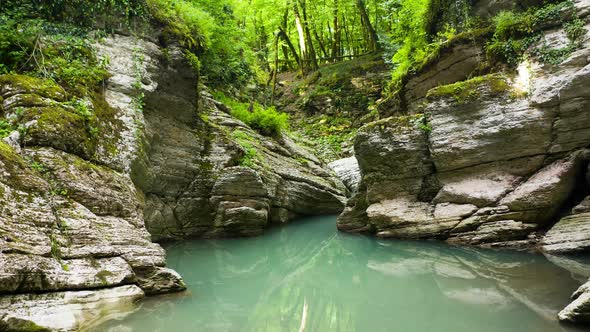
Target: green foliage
184, 21
111, 13
266, 121
39, 167
326, 135
193, 61
515, 33
5, 128
251, 158
423, 28
55, 248
575, 29
55, 51
209, 31
421, 122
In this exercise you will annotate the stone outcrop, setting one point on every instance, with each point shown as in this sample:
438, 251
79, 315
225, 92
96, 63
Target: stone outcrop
83, 180
188, 152
493, 161
71, 223
490, 163
63, 311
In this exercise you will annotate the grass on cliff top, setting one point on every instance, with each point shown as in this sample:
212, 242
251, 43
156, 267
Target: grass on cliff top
267, 121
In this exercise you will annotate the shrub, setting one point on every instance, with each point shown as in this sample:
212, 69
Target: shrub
49, 50
267, 121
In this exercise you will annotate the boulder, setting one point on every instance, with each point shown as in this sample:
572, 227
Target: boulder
579, 310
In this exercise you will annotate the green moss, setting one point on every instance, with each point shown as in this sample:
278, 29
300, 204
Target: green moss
103, 275
43, 87
61, 129
325, 135
15, 324
55, 248
20, 176
251, 157
468, 90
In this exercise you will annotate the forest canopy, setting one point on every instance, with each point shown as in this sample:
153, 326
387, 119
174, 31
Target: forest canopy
237, 42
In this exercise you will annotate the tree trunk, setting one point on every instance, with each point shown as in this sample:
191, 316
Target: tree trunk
370, 34
337, 33
276, 70
285, 37
313, 62
302, 43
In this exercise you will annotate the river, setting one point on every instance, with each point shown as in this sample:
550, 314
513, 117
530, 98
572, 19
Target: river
307, 276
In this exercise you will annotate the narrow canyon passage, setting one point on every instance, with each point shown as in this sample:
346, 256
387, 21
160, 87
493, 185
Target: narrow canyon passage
340, 282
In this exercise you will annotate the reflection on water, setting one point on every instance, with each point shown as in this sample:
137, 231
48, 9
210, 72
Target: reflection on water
331, 281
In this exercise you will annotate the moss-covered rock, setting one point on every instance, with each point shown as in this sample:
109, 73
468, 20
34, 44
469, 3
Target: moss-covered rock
60, 128
11, 84
465, 91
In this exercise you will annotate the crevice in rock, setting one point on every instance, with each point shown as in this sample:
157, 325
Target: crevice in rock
430, 183
580, 192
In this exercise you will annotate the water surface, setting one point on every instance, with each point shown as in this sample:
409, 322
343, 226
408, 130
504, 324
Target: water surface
307, 276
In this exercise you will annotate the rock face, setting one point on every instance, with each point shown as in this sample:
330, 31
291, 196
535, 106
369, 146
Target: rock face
188, 155
348, 170
79, 192
62, 311
493, 161
490, 163
69, 225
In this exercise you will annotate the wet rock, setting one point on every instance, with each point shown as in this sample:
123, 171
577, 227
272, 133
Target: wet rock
579, 310
27, 273
517, 160
66, 311
541, 196
160, 280
570, 235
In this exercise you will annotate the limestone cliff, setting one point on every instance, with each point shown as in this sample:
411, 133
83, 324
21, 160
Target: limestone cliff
498, 160
83, 181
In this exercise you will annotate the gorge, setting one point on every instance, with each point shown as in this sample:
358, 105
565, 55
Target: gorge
466, 170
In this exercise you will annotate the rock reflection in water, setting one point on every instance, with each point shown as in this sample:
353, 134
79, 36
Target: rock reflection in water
354, 283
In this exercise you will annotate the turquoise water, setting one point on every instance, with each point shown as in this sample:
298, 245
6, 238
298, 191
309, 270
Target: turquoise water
309, 277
